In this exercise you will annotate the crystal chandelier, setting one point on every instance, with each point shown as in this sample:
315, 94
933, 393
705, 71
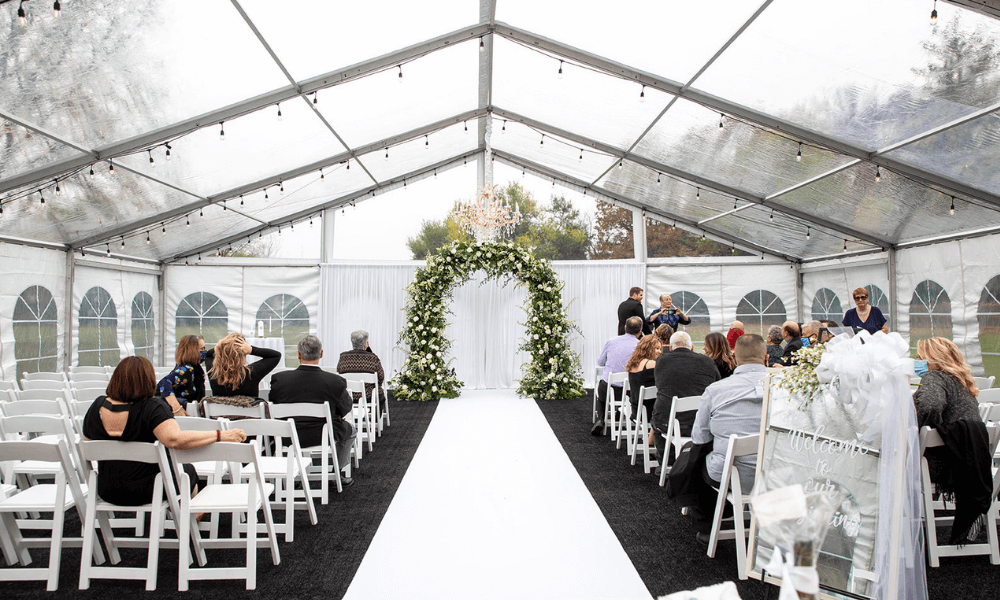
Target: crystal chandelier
488, 217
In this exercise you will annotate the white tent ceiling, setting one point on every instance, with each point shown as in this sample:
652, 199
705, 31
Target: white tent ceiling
894, 118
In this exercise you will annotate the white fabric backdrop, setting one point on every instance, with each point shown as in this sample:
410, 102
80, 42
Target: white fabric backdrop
122, 286
486, 324
22, 267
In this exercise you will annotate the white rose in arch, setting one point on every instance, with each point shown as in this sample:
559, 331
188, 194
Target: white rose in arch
439, 378
439, 355
536, 336
434, 388
430, 356
565, 379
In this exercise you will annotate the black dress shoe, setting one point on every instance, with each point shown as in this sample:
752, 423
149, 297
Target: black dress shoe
703, 538
597, 429
346, 481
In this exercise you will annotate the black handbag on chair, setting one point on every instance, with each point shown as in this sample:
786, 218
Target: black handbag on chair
681, 482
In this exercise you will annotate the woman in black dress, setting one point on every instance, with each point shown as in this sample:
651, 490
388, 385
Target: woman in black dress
228, 371
640, 367
717, 348
132, 413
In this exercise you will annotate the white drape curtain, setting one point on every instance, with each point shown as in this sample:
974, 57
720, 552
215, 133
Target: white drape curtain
486, 324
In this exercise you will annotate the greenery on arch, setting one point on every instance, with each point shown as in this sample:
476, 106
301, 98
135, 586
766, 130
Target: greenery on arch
554, 371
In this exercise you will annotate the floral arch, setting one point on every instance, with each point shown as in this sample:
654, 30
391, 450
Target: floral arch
554, 371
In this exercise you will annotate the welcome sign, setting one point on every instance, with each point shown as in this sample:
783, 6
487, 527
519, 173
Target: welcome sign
816, 445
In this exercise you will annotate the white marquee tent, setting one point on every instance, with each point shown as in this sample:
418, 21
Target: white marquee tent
843, 145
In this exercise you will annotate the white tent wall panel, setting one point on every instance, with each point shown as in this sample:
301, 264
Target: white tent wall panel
24, 267
226, 283
122, 286
705, 281
980, 262
843, 277
941, 263
260, 284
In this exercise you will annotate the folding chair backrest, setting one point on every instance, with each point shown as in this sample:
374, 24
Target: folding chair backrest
6, 386
213, 410
264, 427
43, 376
42, 384
79, 408
647, 393
621, 377
42, 451
45, 425
76, 370
144, 452
35, 407
984, 383
88, 393
319, 410
236, 454
89, 378
42, 395
362, 377
989, 396
357, 386
199, 424
990, 413
744, 445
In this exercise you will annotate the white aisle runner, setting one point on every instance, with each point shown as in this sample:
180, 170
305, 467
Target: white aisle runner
491, 507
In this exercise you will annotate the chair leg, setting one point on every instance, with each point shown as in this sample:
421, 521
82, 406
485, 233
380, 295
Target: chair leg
152, 559
713, 538
88, 541
252, 542
18, 548
289, 507
55, 547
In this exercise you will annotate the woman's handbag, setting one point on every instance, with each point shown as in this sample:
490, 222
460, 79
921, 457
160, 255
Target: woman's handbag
682, 480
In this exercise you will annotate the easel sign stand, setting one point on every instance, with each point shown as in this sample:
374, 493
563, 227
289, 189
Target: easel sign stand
856, 436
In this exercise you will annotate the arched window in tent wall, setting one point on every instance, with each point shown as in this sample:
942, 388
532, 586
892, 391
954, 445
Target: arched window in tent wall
98, 330
285, 316
826, 306
878, 299
695, 308
759, 310
930, 313
203, 314
143, 325
988, 315
36, 331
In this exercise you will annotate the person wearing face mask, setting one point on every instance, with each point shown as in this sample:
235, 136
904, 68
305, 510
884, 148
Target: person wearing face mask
186, 382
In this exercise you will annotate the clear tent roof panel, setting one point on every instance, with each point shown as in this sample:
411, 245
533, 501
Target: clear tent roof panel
739, 155
969, 153
783, 235
670, 39
22, 151
180, 240
638, 183
307, 191
433, 88
895, 209
114, 71
87, 207
880, 80
257, 145
558, 154
597, 106
420, 153
319, 36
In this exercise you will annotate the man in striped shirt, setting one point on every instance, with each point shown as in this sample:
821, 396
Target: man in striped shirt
728, 406
613, 357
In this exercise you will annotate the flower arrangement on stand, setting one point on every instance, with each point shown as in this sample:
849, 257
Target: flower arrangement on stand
554, 371
801, 380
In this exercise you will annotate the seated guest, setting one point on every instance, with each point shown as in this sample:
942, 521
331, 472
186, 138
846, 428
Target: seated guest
186, 382
680, 372
774, 349
361, 359
663, 333
228, 371
132, 413
793, 343
946, 400
640, 372
309, 383
614, 355
810, 333
735, 331
717, 348
865, 316
667, 314
730, 406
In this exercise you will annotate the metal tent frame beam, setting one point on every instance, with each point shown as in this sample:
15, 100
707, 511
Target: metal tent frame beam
692, 179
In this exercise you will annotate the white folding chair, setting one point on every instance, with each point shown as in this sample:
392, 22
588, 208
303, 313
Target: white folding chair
989, 396
164, 497
35, 407
88, 393
8, 391
624, 428
43, 384
731, 491
362, 418
598, 374
930, 438
218, 498
329, 467
89, 379
614, 404
282, 469
44, 376
57, 498
59, 395
373, 403
984, 383
211, 471
78, 370
641, 439
673, 434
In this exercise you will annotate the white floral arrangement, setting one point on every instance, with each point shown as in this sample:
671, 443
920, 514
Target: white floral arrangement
554, 371
801, 380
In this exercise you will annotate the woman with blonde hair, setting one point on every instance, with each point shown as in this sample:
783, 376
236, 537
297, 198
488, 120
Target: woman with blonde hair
228, 371
717, 348
640, 368
947, 391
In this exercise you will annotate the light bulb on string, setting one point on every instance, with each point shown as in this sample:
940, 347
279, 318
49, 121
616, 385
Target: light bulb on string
279, 110
400, 78
503, 128
187, 221
164, 226
265, 194
147, 238
435, 173
123, 242
541, 144
241, 199
152, 163
772, 215
281, 187
111, 167
721, 116
620, 164
348, 164
734, 203
109, 250
845, 244
222, 131
199, 257
427, 142
878, 173
224, 207
21, 15
92, 172
703, 236
553, 184
798, 157
642, 94
952, 205
41, 198
559, 74
581, 154
316, 97
466, 126
522, 172
807, 232
56, 9
58, 191
697, 194
387, 152
168, 152
404, 184
310, 221
482, 45
934, 14
658, 178
201, 212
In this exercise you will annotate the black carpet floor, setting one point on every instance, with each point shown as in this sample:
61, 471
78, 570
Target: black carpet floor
660, 541
318, 565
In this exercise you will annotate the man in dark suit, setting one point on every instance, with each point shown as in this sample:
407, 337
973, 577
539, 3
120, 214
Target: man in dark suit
679, 372
793, 342
309, 383
632, 307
